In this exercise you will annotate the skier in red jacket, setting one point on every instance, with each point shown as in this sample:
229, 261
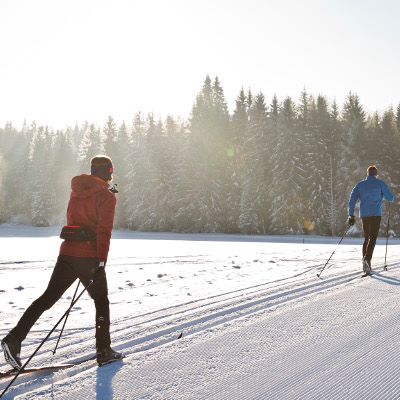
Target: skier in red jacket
91, 208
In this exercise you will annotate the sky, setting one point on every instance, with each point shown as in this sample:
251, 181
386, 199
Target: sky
67, 61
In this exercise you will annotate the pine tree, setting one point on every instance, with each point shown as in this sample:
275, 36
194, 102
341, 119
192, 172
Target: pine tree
90, 146
307, 160
389, 145
249, 99
354, 144
8, 137
176, 137
387, 140
156, 210
110, 138
398, 118
374, 135
239, 127
255, 175
205, 162
41, 180
336, 211
324, 156
240, 119
121, 170
79, 132
288, 204
14, 160
136, 175
64, 166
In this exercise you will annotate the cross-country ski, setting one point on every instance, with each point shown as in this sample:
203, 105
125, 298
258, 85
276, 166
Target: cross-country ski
47, 368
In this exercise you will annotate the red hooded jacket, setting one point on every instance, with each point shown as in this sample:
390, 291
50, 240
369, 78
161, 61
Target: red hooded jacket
92, 206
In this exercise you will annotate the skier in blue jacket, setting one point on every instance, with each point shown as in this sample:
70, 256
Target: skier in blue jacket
370, 191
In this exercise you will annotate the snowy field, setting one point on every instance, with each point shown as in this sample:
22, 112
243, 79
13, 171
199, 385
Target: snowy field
256, 321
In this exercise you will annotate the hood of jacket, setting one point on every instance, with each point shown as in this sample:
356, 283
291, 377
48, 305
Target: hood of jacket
85, 185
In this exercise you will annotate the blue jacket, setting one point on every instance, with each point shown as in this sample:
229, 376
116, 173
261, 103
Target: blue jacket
370, 191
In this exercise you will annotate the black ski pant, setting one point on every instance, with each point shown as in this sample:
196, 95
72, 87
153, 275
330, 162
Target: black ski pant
371, 229
66, 271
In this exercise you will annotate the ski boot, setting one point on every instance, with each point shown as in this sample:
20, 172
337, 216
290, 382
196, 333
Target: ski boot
12, 350
107, 355
367, 266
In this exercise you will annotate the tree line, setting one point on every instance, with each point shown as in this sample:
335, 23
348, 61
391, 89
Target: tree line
270, 167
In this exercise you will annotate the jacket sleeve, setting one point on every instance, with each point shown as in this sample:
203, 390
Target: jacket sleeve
353, 199
105, 213
386, 192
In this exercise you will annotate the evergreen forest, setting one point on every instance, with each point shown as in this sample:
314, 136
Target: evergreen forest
272, 166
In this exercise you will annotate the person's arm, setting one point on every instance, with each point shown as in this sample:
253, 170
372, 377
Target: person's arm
105, 213
353, 199
386, 192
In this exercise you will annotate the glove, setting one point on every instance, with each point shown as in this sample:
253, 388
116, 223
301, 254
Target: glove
99, 271
113, 189
352, 220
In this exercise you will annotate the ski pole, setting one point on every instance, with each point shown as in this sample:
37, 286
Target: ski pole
43, 341
387, 238
334, 251
65, 320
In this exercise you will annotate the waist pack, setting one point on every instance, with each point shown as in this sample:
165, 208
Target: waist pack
77, 233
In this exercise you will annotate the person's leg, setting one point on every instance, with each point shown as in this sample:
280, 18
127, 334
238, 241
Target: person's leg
98, 291
84, 268
375, 223
61, 279
366, 225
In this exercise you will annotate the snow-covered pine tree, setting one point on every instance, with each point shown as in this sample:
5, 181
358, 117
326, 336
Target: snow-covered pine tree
117, 148
64, 166
6, 136
156, 210
355, 136
14, 168
79, 132
5, 215
256, 177
90, 146
389, 144
205, 166
110, 138
238, 131
176, 136
355, 145
288, 204
40, 178
136, 174
273, 138
336, 214
222, 128
307, 160
249, 99
375, 153
121, 169
322, 190
387, 141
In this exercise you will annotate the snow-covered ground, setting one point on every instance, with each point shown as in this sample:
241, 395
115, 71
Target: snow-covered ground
257, 322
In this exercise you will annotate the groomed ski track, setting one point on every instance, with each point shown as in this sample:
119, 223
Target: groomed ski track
296, 338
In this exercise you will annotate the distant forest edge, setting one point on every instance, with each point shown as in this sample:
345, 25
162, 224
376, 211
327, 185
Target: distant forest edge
278, 167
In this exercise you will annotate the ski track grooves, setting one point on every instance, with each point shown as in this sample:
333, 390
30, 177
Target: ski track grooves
160, 327
205, 316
